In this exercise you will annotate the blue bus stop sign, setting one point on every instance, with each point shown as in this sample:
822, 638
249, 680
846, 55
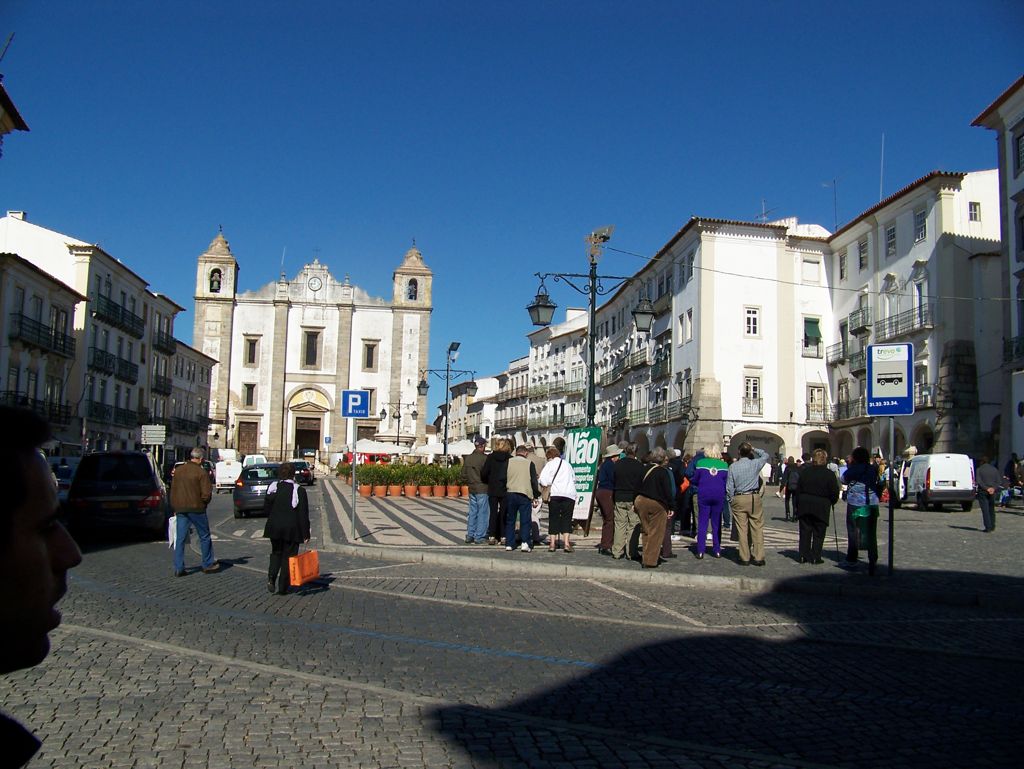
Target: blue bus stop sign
890, 380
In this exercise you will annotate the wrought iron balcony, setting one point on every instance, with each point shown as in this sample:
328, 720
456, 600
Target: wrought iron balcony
819, 412
509, 423
183, 425
576, 387
850, 409
638, 416
858, 361
662, 303
125, 417
753, 407
860, 320
102, 361
539, 423
678, 409
920, 318
100, 412
164, 342
161, 385
836, 353
618, 415
658, 413
538, 390
31, 332
106, 309
1013, 349
615, 373
575, 420
662, 368
127, 371
636, 359
556, 388
812, 349
56, 413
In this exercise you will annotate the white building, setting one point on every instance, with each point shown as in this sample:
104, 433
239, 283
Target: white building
921, 267
289, 349
124, 334
473, 415
512, 401
1005, 116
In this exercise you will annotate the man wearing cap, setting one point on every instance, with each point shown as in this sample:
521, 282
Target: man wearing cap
605, 497
479, 506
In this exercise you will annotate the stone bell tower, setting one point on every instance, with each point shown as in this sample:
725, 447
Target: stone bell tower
216, 286
412, 304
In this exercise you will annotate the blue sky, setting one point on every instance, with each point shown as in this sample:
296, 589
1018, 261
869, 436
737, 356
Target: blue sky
497, 134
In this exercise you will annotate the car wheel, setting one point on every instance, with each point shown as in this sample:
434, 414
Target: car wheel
966, 506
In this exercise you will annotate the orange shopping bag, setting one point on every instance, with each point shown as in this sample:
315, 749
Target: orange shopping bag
303, 568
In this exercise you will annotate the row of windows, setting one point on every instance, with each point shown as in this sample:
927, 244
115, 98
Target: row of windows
312, 351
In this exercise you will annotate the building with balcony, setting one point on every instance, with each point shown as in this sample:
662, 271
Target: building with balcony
288, 349
512, 400
908, 270
187, 414
39, 350
473, 415
557, 378
1005, 116
114, 361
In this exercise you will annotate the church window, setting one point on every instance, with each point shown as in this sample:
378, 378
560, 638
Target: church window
311, 349
248, 394
369, 356
215, 280
412, 291
252, 350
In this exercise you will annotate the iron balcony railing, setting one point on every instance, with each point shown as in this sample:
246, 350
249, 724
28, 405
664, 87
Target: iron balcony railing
56, 413
538, 390
32, 332
106, 309
924, 395
850, 409
918, 319
638, 416
858, 361
860, 320
1013, 349
636, 359
519, 391
575, 420
165, 342
125, 417
662, 368
127, 371
658, 413
575, 387
836, 353
102, 361
812, 349
100, 412
753, 407
161, 385
819, 412
618, 415
539, 423
615, 374
678, 409
184, 425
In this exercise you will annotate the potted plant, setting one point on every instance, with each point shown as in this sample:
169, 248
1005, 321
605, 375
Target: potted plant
395, 478
424, 480
453, 479
439, 479
364, 477
410, 479
343, 470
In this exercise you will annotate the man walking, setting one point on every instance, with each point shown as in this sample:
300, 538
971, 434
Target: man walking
989, 482
479, 506
36, 552
522, 489
743, 492
629, 474
191, 492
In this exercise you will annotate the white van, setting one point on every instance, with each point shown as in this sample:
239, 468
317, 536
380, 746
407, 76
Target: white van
227, 469
253, 459
936, 479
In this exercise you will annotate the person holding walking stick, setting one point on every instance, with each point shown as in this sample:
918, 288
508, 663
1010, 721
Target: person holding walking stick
818, 491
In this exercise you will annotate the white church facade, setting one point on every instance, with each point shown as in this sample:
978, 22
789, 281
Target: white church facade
288, 349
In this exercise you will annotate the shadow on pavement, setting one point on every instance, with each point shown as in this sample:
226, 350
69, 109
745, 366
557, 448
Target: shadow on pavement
874, 698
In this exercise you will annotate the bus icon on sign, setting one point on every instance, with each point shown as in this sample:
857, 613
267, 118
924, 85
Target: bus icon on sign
889, 379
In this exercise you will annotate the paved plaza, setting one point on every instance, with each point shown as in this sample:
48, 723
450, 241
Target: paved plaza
415, 650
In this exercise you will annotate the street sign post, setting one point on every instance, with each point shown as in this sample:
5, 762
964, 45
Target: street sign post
890, 393
327, 440
355, 404
154, 435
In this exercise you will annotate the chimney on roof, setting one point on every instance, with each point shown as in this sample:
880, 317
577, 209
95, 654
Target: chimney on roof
19, 215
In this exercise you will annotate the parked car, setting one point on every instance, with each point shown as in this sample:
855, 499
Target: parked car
119, 489
251, 488
254, 459
936, 479
226, 473
63, 472
304, 473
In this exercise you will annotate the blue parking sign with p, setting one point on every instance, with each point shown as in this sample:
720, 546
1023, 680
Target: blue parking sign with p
355, 403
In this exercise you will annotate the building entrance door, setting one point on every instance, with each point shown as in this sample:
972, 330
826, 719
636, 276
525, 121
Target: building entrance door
248, 435
307, 435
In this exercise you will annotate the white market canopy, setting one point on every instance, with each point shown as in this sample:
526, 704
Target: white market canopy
456, 449
366, 446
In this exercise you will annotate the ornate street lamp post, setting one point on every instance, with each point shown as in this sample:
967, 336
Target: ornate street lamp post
447, 373
542, 309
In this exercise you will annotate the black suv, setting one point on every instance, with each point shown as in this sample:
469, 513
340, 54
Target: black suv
119, 489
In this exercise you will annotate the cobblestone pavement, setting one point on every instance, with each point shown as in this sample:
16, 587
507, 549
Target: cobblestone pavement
407, 663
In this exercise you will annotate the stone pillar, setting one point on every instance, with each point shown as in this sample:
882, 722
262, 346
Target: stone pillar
276, 385
707, 402
342, 367
956, 400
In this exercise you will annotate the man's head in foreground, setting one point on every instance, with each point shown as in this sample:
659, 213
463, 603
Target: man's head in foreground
36, 550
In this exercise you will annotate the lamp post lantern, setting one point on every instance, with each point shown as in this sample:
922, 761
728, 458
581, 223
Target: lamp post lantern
542, 309
448, 373
396, 412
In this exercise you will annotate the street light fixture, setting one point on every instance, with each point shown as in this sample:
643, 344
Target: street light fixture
542, 309
396, 412
448, 373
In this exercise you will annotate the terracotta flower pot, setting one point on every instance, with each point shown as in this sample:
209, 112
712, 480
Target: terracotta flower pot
439, 491
380, 491
465, 491
394, 489
453, 491
364, 490
410, 490
426, 491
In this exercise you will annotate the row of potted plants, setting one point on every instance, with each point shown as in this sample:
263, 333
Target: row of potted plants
399, 479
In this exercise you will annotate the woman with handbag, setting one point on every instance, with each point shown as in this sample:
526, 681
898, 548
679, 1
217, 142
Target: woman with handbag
287, 511
558, 488
653, 503
863, 488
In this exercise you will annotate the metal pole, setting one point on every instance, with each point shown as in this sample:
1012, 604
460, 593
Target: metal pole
352, 436
592, 341
892, 488
447, 399
398, 426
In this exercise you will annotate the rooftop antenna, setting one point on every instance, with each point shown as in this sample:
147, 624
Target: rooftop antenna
763, 216
881, 170
7, 45
834, 184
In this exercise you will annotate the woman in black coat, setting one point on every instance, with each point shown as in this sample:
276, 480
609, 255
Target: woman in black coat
817, 491
495, 473
287, 510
